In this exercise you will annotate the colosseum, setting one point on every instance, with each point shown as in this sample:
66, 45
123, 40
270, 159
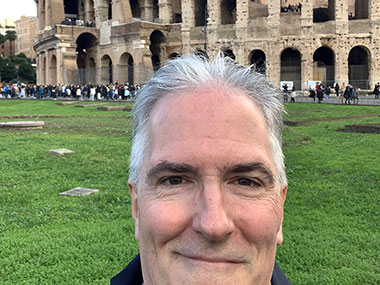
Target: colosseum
102, 41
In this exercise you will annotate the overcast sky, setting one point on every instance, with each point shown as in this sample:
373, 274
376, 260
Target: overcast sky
14, 9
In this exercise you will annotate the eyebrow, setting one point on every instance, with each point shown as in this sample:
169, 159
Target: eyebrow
252, 166
167, 166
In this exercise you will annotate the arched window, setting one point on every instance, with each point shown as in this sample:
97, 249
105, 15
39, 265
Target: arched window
291, 67
258, 61
358, 72
324, 66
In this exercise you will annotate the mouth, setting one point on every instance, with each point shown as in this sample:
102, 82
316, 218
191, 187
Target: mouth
215, 260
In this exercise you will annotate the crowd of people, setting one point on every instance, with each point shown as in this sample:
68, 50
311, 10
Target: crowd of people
77, 92
76, 22
291, 8
347, 93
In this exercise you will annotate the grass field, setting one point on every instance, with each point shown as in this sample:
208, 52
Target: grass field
332, 212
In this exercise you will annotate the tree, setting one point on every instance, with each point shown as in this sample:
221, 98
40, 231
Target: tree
2, 39
26, 72
7, 70
11, 36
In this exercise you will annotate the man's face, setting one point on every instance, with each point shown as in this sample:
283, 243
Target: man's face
207, 209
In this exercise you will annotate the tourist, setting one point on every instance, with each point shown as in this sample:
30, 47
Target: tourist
376, 90
207, 177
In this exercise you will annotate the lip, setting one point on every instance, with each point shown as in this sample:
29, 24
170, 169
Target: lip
210, 259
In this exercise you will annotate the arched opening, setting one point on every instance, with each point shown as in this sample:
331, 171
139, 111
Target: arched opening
71, 9
86, 49
257, 60
53, 70
229, 53
135, 8
157, 47
200, 12
358, 72
126, 68
323, 10
291, 67
324, 66
106, 69
228, 12
358, 9
110, 10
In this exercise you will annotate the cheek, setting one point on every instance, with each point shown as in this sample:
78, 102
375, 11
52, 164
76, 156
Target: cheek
260, 221
163, 220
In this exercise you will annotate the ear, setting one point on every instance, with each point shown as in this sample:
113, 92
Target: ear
135, 207
283, 197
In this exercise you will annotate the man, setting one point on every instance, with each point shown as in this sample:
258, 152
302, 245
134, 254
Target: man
207, 176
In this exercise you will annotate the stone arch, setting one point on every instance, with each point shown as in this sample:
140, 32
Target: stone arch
229, 53
358, 67
291, 67
106, 69
324, 65
126, 68
323, 10
86, 49
228, 12
257, 59
53, 70
200, 12
135, 8
158, 48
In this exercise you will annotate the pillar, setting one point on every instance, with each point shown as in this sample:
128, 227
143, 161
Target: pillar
165, 11
307, 17
274, 10
187, 23
242, 15
147, 10
341, 17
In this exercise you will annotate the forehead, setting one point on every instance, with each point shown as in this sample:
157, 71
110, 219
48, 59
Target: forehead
217, 122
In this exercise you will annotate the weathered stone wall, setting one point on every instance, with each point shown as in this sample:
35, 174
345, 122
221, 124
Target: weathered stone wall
250, 26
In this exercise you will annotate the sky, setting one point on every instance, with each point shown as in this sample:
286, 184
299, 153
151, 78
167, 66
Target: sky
14, 9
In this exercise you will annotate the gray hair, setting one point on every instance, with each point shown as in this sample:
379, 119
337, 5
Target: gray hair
191, 72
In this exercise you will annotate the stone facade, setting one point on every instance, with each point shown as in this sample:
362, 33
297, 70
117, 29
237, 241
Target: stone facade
126, 40
26, 29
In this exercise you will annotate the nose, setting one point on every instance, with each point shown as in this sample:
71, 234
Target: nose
212, 217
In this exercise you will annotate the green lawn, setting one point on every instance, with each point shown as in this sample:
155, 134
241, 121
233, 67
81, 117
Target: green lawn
332, 212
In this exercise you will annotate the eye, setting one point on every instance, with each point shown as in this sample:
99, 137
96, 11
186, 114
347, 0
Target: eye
173, 180
247, 182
